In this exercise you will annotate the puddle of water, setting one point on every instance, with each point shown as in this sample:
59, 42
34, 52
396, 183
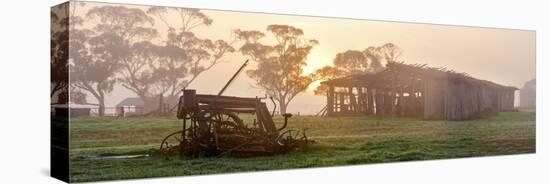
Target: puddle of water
112, 157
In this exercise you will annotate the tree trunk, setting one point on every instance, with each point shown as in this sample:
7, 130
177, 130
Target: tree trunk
101, 107
282, 107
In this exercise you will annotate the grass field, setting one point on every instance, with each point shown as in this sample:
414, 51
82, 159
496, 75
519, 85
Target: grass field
340, 141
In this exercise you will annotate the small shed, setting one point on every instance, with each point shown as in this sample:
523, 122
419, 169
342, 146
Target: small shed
132, 106
417, 91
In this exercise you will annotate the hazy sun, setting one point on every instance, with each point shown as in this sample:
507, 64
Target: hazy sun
317, 59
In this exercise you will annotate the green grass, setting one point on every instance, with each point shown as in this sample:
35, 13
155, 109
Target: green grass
340, 141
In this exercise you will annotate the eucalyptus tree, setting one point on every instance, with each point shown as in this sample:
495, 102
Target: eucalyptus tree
350, 62
185, 56
279, 70
120, 30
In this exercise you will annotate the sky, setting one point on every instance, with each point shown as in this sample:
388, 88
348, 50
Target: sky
504, 56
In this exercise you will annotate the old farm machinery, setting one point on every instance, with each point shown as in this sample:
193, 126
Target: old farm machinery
212, 126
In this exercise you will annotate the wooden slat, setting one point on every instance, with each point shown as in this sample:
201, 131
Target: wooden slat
209, 99
265, 118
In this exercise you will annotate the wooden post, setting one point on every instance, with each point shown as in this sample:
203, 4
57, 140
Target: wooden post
341, 102
330, 101
360, 101
370, 100
388, 100
403, 102
432, 100
380, 101
353, 101
160, 105
392, 94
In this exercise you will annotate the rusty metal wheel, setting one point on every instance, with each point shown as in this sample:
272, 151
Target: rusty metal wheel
172, 141
292, 138
228, 122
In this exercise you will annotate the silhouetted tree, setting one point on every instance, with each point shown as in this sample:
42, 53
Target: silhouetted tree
120, 29
391, 52
375, 57
352, 62
96, 55
77, 96
185, 56
327, 73
280, 66
59, 52
189, 18
388, 52
93, 67
63, 21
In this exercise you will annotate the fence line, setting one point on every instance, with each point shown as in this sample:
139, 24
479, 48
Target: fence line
132, 111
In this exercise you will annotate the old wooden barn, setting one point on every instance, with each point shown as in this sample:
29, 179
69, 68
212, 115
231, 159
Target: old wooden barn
417, 91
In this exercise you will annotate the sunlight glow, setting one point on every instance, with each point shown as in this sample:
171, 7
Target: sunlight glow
316, 60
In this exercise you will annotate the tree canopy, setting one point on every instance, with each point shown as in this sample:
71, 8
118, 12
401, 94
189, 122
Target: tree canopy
123, 46
279, 70
350, 62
